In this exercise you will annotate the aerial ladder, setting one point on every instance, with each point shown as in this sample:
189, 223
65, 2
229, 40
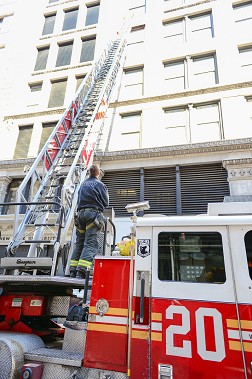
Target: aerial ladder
56, 174
62, 165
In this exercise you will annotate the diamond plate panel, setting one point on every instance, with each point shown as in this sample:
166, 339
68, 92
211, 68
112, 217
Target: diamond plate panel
12, 349
75, 340
58, 305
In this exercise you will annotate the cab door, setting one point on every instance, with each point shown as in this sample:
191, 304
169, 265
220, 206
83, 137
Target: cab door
193, 306
241, 255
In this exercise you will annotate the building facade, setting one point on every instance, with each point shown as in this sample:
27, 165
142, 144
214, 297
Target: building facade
179, 125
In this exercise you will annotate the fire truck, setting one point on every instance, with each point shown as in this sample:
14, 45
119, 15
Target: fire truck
178, 306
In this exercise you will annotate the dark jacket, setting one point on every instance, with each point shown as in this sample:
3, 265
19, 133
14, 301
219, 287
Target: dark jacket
93, 194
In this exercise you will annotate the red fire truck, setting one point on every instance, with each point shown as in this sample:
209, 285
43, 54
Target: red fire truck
178, 307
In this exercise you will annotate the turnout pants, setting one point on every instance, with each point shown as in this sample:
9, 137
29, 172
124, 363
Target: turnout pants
89, 223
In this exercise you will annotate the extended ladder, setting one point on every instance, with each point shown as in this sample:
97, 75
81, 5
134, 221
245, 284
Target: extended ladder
60, 168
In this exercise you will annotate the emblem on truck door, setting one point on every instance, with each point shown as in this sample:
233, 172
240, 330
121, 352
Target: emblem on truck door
143, 247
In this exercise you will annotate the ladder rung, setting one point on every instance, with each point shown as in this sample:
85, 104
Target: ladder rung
38, 241
34, 225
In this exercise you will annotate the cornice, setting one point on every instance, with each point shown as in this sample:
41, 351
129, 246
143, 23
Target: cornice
17, 163
44, 72
58, 111
237, 162
183, 94
189, 5
165, 151
197, 148
74, 31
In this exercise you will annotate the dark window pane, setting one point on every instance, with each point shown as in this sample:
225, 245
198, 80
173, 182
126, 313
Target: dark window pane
41, 58
57, 94
191, 257
79, 80
70, 19
87, 51
46, 131
64, 54
248, 246
35, 87
23, 142
10, 197
92, 15
49, 24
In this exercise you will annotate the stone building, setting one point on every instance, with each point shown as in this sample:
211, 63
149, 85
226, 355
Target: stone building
178, 128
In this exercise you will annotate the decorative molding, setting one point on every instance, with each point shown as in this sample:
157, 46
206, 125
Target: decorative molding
43, 72
4, 182
57, 112
183, 94
238, 169
73, 31
18, 163
189, 5
196, 148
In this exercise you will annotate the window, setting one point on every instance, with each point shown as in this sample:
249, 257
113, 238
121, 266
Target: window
191, 257
195, 28
46, 132
137, 7
64, 54
130, 130
248, 246
53, 1
204, 71
135, 42
41, 58
35, 94
249, 102
79, 80
193, 123
201, 26
174, 31
191, 72
57, 95
35, 87
176, 125
175, 75
49, 24
206, 125
243, 16
23, 142
87, 50
137, 34
70, 19
246, 60
133, 82
10, 197
1, 23
92, 14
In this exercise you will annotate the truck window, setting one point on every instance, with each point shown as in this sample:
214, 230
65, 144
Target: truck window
191, 257
248, 246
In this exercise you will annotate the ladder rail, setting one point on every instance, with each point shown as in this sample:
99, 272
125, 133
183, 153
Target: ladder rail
94, 92
69, 182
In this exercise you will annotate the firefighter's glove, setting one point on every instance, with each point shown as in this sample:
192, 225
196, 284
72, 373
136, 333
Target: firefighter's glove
100, 221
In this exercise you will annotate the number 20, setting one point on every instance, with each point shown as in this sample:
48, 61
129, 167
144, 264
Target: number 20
186, 350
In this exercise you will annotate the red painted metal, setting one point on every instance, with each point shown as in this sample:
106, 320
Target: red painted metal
106, 342
200, 340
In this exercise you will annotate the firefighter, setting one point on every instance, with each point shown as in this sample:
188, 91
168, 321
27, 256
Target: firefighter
93, 198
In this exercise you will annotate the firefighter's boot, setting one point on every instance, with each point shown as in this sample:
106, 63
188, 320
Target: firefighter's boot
72, 273
81, 274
